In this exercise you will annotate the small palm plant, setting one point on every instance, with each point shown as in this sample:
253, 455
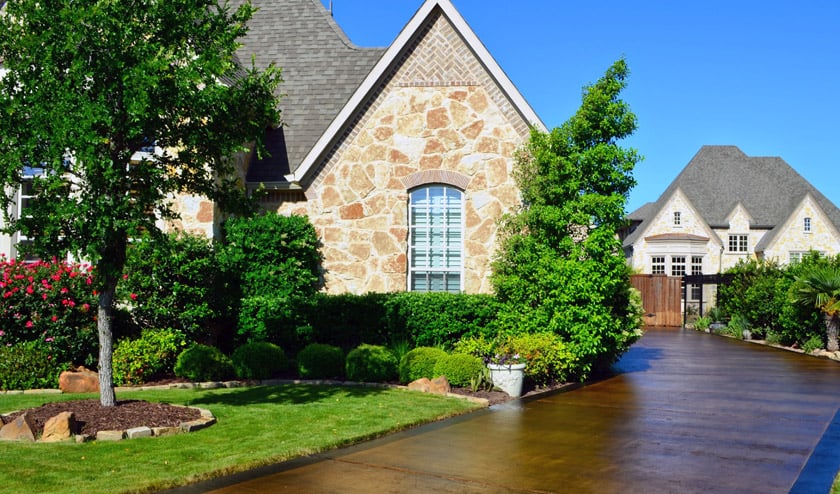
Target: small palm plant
820, 287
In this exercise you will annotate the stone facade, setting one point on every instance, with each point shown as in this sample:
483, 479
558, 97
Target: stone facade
792, 238
439, 118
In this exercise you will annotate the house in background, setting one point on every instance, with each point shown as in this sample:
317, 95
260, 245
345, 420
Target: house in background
726, 206
401, 157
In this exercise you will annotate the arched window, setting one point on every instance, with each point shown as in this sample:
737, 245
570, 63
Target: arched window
436, 239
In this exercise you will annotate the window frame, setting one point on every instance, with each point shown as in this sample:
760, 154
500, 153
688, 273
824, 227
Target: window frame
741, 241
678, 265
677, 218
807, 225
657, 264
448, 250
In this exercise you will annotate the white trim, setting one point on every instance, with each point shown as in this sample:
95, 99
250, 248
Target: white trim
390, 56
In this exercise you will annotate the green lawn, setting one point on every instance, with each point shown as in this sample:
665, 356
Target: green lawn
256, 426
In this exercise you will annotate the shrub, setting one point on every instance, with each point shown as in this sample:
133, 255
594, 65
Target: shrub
702, 323
270, 257
153, 354
459, 368
320, 361
348, 320
440, 319
259, 360
172, 281
419, 363
548, 358
371, 363
204, 363
28, 365
50, 301
815, 342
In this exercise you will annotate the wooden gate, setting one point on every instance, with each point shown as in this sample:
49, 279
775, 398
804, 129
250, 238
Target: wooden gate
661, 299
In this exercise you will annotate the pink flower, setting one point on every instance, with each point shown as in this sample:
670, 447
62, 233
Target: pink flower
85, 307
133, 296
50, 339
2, 333
30, 290
54, 319
29, 324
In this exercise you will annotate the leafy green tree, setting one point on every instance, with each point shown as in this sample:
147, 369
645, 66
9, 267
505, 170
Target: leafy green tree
90, 85
820, 287
560, 266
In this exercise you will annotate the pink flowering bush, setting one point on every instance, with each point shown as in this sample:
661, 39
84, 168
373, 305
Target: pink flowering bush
51, 303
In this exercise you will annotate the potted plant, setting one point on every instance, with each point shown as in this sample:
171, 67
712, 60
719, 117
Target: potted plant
507, 370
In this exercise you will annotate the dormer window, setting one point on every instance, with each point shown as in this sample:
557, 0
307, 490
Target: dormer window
677, 218
807, 225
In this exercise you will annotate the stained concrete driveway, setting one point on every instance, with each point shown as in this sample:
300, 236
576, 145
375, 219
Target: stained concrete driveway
686, 412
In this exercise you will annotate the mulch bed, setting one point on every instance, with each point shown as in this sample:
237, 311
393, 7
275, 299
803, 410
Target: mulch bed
92, 417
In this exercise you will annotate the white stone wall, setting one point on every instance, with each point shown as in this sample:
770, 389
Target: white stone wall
792, 237
417, 135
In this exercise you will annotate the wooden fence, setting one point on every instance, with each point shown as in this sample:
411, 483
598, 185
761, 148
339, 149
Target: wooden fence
661, 299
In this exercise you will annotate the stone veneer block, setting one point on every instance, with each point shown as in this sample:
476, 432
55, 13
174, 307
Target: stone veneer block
137, 432
165, 431
197, 425
110, 435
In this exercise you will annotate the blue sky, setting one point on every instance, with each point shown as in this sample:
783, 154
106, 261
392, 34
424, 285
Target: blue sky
761, 75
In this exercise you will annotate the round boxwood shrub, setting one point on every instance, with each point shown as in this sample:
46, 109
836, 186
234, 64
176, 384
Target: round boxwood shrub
320, 361
420, 362
459, 368
371, 363
204, 363
151, 355
259, 360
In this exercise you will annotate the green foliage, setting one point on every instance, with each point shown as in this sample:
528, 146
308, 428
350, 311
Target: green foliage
89, 88
29, 365
560, 267
818, 286
702, 323
773, 338
51, 302
204, 363
320, 361
549, 358
420, 362
347, 320
172, 281
815, 342
459, 368
259, 360
272, 263
440, 319
371, 363
152, 355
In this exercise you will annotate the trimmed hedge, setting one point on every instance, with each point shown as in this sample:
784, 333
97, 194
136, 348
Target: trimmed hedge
259, 360
459, 368
320, 361
204, 363
371, 363
440, 319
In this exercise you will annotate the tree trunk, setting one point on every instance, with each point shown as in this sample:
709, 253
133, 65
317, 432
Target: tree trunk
831, 323
107, 397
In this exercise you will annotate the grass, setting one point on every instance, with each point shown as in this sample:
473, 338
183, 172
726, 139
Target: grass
256, 426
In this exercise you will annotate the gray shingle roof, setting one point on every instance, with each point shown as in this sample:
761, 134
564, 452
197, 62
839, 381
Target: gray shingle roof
719, 177
321, 70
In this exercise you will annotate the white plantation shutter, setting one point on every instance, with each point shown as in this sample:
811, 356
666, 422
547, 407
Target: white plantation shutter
436, 239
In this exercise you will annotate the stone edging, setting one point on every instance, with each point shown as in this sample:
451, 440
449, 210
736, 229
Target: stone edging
205, 420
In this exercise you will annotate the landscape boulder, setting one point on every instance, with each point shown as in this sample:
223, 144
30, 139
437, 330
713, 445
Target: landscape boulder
439, 385
81, 380
59, 428
20, 429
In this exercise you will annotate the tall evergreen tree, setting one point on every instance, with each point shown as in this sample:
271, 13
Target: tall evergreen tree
89, 84
560, 266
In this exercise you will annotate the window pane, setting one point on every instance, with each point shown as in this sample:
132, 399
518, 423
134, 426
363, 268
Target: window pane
436, 239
